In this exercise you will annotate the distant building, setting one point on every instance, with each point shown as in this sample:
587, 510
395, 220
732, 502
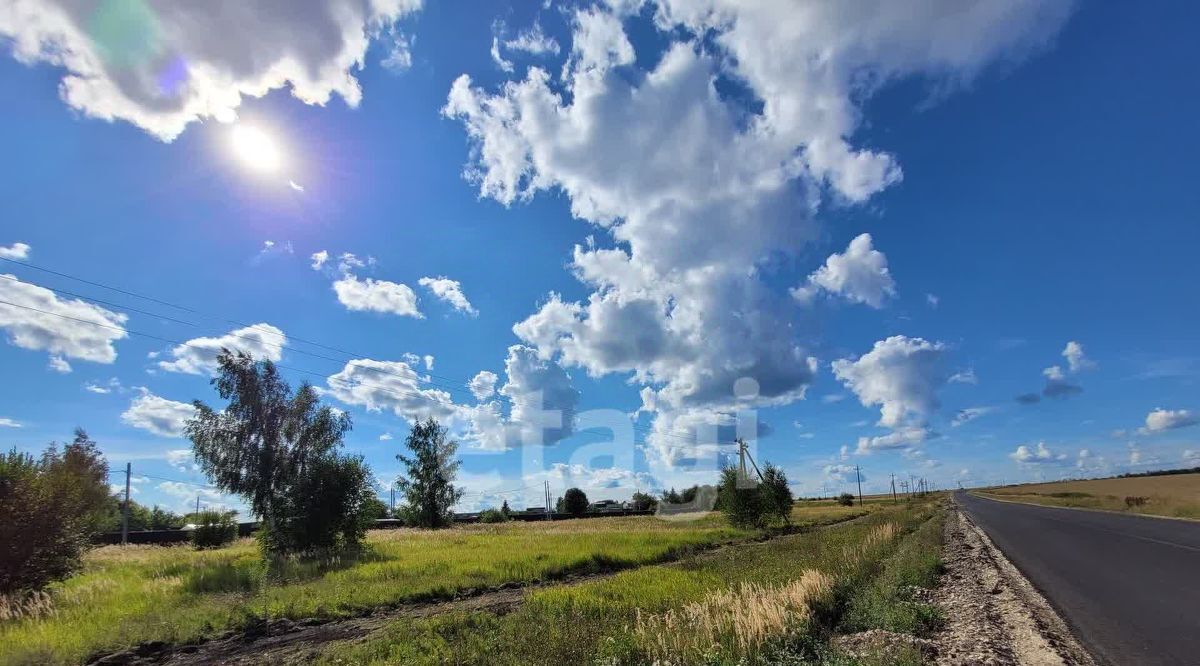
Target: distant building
605, 506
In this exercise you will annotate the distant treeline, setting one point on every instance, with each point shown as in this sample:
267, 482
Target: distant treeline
1161, 472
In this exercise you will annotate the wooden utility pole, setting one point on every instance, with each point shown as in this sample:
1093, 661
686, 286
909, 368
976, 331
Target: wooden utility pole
893, 487
125, 508
547, 500
859, 478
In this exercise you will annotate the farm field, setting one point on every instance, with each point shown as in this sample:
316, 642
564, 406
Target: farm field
133, 594
737, 605
1172, 495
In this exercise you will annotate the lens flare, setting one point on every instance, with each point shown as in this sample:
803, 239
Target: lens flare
256, 149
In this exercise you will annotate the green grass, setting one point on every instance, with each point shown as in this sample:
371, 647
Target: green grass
128, 595
593, 622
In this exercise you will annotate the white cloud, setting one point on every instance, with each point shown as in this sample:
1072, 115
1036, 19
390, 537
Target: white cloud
1168, 419
1076, 359
9, 423
1040, 455
900, 374
399, 53
964, 377
1191, 456
932, 300
163, 65
188, 492
843, 474
373, 295
198, 356
59, 365
386, 437
718, 188
181, 458
428, 361
39, 319
296, 187
158, 415
390, 386
860, 275
319, 259
970, 414
901, 438
105, 388
15, 251
533, 41
483, 384
450, 291
501, 62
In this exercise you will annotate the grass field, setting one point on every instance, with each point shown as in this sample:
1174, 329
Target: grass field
127, 595
1174, 495
774, 602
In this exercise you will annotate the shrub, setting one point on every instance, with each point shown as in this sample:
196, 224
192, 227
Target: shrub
49, 509
1131, 502
846, 499
492, 516
323, 509
643, 502
214, 529
742, 502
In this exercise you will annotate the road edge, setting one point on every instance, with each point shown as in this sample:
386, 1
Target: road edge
1082, 508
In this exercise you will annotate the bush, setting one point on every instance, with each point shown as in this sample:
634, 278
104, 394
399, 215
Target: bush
323, 509
49, 509
846, 499
492, 516
214, 529
643, 502
743, 504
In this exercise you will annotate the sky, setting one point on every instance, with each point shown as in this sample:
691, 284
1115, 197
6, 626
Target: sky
950, 240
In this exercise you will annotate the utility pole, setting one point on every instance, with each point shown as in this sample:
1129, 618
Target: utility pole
859, 478
893, 487
197, 507
125, 508
392, 507
912, 486
547, 500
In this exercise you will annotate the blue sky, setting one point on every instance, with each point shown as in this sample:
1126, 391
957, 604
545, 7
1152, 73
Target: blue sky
629, 211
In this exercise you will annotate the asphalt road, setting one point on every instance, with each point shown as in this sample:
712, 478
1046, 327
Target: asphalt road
1129, 586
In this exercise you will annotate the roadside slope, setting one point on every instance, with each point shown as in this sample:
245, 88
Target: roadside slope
1127, 585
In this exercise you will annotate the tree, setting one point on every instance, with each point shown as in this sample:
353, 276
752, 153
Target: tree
429, 485
846, 499
214, 529
574, 502
374, 508
49, 509
777, 492
671, 496
643, 502
505, 510
743, 504
278, 449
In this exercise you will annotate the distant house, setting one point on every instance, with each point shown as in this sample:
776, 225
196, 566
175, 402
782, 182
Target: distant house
605, 506
535, 509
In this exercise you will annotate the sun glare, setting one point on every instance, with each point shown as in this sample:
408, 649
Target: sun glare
256, 149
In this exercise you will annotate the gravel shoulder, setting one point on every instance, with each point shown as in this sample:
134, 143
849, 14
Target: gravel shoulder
993, 614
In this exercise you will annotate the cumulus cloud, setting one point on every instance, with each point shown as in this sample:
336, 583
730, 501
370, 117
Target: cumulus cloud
719, 186
533, 41
18, 251
1076, 359
6, 422
59, 365
164, 65
964, 377
1169, 419
371, 295
36, 318
198, 356
860, 275
158, 415
900, 374
483, 384
1039, 455
905, 437
319, 259
105, 388
450, 291
392, 386
843, 473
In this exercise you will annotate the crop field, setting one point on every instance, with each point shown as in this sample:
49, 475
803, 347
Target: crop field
133, 594
775, 602
1173, 495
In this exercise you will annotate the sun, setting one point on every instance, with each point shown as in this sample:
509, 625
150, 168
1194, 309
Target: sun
256, 149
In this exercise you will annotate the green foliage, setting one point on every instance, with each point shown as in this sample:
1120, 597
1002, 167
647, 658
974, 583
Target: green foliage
846, 499
279, 450
214, 529
505, 510
49, 508
492, 516
643, 502
324, 509
891, 600
140, 517
777, 494
428, 486
742, 500
373, 509
574, 502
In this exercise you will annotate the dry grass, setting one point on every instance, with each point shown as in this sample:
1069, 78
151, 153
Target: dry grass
1173, 495
739, 620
